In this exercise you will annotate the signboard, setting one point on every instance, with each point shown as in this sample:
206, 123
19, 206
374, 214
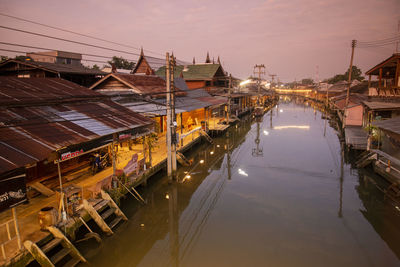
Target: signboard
124, 136
69, 155
132, 165
12, 191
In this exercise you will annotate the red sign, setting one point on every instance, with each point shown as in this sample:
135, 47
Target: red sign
69, 155
124, 136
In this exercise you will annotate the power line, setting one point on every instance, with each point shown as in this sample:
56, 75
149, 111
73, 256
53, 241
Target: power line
77, 33
24, 52
381, 40
75, 42
67, 40
43, 48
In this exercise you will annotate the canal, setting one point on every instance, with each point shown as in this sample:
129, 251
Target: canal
277, 192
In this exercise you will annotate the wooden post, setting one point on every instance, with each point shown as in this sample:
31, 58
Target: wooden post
181, 130
353, 45
114, 156
169, 123
63, 213
369, 82
380, 80
149, 146
14, 213
144, 151
396, 77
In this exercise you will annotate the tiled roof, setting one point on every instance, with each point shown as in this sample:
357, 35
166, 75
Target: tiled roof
193, 72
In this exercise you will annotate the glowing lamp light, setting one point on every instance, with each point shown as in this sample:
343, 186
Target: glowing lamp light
304, 127
202, 161
242, 172
211, 152
281, 110
166, 196
266, 133
188, 176
245, 82
142, 225
217, 145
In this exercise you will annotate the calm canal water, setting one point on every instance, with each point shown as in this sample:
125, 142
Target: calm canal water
273, 193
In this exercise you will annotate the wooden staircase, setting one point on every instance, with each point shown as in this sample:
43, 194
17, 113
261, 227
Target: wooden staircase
365, 159
105, 212
58, 250
182, 159
206, 136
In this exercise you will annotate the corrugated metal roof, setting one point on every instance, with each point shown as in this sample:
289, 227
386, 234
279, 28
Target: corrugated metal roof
56, 67
29, 133
382, 105
35, 90
151, 85
194, 99
146, 108
392, 125
354, 100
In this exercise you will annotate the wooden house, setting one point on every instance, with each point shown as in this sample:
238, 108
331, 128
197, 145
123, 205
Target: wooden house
76, 73
148, 65
146, 94
388, 73
48, 120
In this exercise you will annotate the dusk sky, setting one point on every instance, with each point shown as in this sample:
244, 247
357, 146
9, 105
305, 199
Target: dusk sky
291, 37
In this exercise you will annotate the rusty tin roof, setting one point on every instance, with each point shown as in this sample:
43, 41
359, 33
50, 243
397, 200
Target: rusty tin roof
41, 115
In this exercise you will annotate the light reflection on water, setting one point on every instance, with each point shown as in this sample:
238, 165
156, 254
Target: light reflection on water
260, 197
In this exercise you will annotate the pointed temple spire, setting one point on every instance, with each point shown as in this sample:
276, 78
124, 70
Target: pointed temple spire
219, 61
141, 51
213, 61
208, 58
194, 61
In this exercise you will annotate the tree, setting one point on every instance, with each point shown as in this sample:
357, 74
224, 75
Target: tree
337, 78
121, 63
95, 67
356, 74
307, 81
3, 58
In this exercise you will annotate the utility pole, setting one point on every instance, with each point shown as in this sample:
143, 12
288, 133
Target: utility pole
173, 116
272, 80
398, 32
260, 70
170, 126
228, 113
353, 45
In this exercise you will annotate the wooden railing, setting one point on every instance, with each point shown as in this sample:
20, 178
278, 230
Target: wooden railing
9, 237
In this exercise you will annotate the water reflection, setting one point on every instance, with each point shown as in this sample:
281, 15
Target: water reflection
305, 127
244, 207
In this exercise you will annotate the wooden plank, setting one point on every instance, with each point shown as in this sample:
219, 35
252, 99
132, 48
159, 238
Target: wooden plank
50, 245
107, 213
42, 189
100, 205
60, 255
115, 222
72, 262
